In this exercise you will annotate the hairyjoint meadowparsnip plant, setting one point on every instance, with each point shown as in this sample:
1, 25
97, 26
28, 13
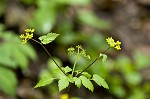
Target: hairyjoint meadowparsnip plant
70, 75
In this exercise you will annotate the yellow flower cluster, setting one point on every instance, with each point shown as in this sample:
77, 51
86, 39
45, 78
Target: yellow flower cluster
114, 44
28, 35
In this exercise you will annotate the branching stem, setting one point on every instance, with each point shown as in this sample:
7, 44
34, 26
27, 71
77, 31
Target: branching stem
49, 55
92, 63
75, 62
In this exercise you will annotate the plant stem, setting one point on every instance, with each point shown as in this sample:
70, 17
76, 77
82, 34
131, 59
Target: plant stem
75, 62
88, 67
49, 55
73, 68
92, 62
105, 50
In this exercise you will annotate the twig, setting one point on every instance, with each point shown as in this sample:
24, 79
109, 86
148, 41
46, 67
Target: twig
49, 55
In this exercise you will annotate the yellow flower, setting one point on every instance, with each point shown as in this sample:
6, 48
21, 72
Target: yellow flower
118, 47
24, 41
114, 44
118, 43
28, 35
27, 30
64, 96
110, 41
32, 30
22, 36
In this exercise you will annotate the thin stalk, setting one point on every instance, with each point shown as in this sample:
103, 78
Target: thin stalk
75, 62
88, 67
49, 55
92, 63
106, 50
73, 68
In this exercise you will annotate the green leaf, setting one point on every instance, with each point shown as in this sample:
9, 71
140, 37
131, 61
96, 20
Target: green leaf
48, 38
28, 50
8, 81
70, 79
77, 81
87, 83
86, 74
5, 57
100, 81
13, 53
44, 81
90, 19
63, 83
20, 58
104, 57
67, 69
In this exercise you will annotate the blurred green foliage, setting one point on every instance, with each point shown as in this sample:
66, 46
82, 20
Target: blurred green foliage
122, 74
2, 7
8, 81
49, 11
12, 56
89, 18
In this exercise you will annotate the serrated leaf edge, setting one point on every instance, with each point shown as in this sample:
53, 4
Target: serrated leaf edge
38, 84
85, 85
60, 89
107, 87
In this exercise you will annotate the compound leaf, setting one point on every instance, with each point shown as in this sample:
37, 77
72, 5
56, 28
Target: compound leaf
100, 81
87, 83
45, 39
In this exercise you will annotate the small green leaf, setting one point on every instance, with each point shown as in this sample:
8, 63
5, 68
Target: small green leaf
67, 69
70, 79
104, 57
87, 83
48, 38
77, 82
100, 81
44, 81
63, 83
86, 74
